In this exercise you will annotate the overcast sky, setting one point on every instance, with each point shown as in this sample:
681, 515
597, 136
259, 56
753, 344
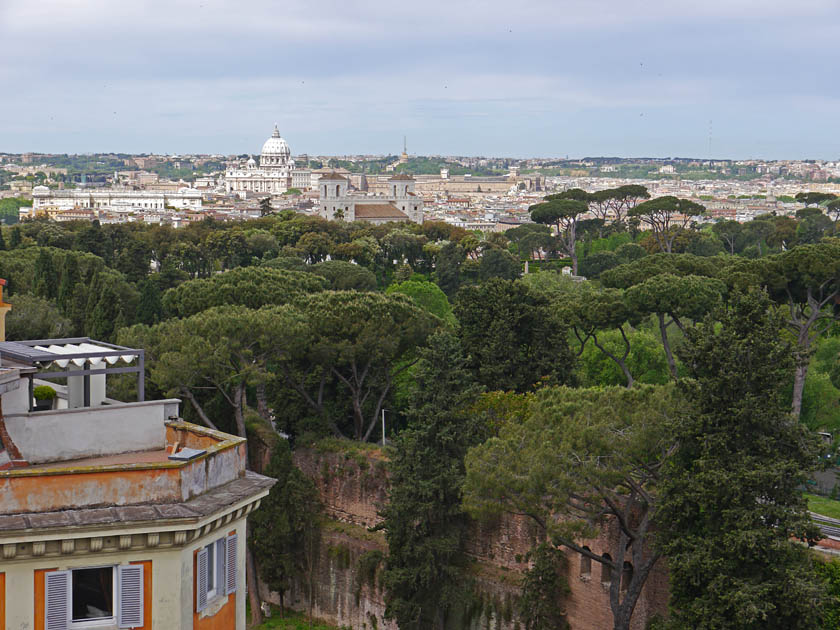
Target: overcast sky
457, 77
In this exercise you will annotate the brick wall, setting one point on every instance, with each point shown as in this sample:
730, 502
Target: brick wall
353, 489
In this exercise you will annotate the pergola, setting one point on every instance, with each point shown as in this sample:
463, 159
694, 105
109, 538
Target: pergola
76, 357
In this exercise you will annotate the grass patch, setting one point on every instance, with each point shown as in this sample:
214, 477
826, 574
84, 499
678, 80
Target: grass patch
823, 505
354, 531
292, 621
348, 447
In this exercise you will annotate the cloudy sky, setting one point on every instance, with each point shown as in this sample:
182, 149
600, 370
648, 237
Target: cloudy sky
528, 78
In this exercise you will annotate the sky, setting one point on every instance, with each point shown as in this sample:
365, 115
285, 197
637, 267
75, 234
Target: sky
710, 78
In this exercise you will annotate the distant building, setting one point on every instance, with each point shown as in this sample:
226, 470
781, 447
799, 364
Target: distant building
400, 204
20, 186
274, 174
316, 174
114, 514
183, 199
147, 162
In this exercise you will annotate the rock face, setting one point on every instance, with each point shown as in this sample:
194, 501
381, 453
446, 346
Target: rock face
353, 487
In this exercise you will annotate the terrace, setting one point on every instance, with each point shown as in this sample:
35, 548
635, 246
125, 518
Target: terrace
86, 450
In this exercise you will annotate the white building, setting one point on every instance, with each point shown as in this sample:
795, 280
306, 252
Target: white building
275, 174
184, 199
338, 202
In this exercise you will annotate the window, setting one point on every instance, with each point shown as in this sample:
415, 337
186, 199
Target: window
91, 597
93, 593
626, 576
606, 569
215, 571
585, 564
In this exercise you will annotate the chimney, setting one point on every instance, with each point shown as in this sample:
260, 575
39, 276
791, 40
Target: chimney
4, 308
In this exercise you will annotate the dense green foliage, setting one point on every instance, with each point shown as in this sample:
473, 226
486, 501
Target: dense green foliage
829, 575
428, 296
544, 588
512, 336
424, 523
730, 505
246, 286
319, 326
578, 457
293, 621
286, 526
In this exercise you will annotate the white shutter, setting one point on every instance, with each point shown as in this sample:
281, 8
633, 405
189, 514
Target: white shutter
230, 569
221, 561
130, 581
201, 580
57, 600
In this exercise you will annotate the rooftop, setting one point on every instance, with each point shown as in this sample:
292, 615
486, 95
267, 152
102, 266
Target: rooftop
128, 478
332, 176
188, 511
77, 471
379, 211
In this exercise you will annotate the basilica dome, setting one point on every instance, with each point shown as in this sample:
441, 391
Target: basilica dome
275, 146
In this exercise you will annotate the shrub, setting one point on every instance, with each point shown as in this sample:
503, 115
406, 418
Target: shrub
44, 392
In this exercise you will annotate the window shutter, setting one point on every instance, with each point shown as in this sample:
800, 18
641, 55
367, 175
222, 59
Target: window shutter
221, 562
230, 570
201, 580
57, 599
130, 581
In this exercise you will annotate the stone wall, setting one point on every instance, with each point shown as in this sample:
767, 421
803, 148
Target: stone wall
353, 488
353, 484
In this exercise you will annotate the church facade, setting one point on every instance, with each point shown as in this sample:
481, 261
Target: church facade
275, 173
401, 203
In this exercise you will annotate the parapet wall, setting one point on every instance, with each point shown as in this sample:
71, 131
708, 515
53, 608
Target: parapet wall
71, 485
67, 434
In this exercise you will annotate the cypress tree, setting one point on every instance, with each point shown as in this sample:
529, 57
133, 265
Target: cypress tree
287, 523
150, 308
107, 314
2, 240
69, 280
16, 238
424, 523
45, 280
731, 505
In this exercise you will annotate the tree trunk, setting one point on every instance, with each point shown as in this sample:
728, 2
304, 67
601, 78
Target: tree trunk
195, 404
253, 589
619, 361
262, 402
239, 402
663, 329
358, 418
239, 409
799, 383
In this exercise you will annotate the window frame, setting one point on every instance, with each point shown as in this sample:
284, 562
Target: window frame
211, 571
62, 616
97, 622
224, 554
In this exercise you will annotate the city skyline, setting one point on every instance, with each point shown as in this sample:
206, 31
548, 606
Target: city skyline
738, 80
